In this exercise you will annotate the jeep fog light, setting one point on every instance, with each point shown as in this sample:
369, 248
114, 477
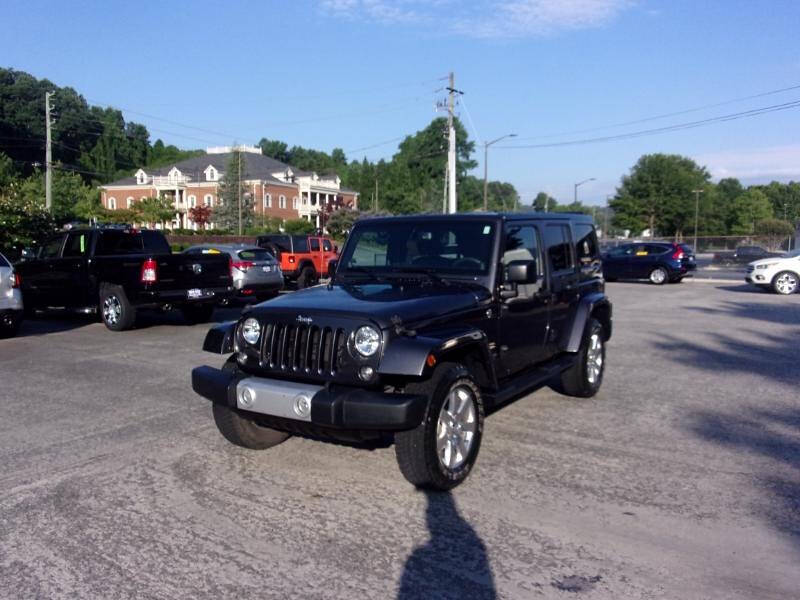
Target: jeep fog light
366, 372
366, 340
251, 329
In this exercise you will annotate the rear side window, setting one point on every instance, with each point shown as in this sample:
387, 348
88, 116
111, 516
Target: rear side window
118, 242
656, 249
255, 255
586, 243
155, 242
52, 247
77, 245
300, 243
314, 244
327, 246
559, 251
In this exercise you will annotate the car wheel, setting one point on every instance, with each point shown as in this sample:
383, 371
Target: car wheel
9, 325
200, 313
241, 430
441, 451
658, 276
583, 379
307, 278
116, 311
785, 283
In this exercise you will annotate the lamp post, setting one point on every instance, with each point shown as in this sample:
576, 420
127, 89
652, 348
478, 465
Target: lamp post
575, 188
696, 215
486, 168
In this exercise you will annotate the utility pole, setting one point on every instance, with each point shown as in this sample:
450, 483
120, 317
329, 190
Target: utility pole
444, 193
48, 155
239, 185
696, 215
575, 189
451, 151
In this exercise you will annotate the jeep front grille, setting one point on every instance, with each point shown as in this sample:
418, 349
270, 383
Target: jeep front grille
309, 349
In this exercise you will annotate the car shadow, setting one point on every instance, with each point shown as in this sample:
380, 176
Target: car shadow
744, 288
453, 563
774, 434
788, 313
56, 322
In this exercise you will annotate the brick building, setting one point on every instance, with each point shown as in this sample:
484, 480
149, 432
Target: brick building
278, 190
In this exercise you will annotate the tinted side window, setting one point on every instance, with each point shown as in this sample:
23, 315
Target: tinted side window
77, 245
327, 246
300, 243
155, 242
559, 252
314, 244
656, 249
586, 244
52, 247
118, 242
522, 243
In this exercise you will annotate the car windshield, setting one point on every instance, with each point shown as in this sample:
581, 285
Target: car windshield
458, 247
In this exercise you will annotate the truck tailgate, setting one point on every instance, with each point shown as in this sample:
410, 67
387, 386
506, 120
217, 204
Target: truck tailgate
184, 272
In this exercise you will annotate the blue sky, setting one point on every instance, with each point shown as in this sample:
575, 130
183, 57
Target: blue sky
354, 73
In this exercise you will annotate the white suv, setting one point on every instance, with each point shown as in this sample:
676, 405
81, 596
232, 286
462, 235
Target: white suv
780, 274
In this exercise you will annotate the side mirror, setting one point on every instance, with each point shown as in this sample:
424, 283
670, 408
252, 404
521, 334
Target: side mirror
522, 271
332, 267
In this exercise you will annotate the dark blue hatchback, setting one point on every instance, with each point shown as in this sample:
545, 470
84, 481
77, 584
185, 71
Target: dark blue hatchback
660, 262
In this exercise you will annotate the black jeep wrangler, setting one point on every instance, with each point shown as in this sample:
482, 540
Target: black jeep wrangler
427, 323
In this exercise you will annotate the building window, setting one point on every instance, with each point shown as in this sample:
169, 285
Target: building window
208, 200
282, 202
129, 202
192, 201
267, 200
211, 174
294, 202
112, 203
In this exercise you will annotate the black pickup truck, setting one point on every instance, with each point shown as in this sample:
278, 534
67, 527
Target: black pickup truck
118, 271
428, 323
743, 255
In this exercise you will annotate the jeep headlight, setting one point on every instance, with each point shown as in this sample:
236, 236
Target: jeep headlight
766, 266
366, 340
251, 329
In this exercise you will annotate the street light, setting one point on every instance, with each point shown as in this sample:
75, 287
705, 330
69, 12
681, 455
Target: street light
486, 168
696, 215
575, 189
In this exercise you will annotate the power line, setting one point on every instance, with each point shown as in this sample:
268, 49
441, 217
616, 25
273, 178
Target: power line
680, 126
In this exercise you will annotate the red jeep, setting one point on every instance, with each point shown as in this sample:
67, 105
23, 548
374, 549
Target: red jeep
303, 258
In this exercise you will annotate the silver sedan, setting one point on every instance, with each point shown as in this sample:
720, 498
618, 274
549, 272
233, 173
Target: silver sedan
255, 272
10, 299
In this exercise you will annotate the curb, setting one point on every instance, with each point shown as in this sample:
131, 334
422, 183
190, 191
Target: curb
702, 280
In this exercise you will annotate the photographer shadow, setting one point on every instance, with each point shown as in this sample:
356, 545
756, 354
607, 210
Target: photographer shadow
453, 563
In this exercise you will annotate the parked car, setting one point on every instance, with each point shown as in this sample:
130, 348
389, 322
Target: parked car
11, 308
428, 322
119, 271
743, 255
660, 262
779, 274
255, 271
303, 258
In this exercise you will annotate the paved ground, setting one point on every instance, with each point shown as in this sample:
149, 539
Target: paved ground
680, 480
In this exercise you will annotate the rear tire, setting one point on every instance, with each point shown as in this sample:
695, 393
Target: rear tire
307, 278
200, 313
658, 276
116, 311
440, 452
785, 283
583, 379
9, 325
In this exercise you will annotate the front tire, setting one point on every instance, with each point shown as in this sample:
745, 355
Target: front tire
583, 379
116, 311
785, 283
307, 278
658, 276
440, 452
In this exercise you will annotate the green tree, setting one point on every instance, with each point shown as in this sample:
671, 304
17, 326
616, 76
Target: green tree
774, 232
24, 222
657, 194
544, 202
231, 189
274, 149
298, 226
747, 209
152, 210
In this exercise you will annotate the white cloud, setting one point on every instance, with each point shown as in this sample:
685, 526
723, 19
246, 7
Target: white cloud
484, 18
778, 162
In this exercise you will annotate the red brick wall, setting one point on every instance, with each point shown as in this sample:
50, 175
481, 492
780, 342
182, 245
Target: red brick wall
121, 195
276, 191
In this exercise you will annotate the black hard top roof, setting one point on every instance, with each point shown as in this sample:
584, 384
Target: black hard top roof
482, 216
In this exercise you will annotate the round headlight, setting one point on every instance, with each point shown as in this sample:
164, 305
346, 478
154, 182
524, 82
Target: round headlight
251, 329
366, 340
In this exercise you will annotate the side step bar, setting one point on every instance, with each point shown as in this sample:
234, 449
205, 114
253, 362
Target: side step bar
526, 382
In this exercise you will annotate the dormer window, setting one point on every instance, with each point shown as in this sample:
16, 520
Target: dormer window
211, 173
174, 174
141, 177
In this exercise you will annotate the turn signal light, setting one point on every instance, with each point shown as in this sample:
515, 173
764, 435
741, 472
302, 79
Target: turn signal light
17, 282
431, 360
149, 271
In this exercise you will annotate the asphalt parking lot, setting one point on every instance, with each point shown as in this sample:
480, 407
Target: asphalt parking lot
681, 479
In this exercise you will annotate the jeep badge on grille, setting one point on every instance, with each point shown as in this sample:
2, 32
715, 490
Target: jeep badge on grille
302, 319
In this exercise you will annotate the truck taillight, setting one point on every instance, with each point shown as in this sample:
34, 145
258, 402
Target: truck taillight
16, 281
149, 271
291, 259
242, 265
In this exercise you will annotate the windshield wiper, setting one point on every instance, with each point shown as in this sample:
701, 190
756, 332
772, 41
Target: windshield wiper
370, 273
429, 273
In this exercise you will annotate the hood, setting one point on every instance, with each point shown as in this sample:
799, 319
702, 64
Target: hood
379, 301
767, 261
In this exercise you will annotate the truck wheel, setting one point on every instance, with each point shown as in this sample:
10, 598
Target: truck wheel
9, 325
200, 313
240, 430
785, 283
583, 379
307, 278
658, 276
440, 453
116, 311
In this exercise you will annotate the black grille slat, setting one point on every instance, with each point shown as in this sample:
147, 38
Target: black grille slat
316, 350
282, 351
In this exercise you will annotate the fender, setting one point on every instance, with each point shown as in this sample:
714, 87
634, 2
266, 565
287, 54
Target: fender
219, 338
409, 355
572, 337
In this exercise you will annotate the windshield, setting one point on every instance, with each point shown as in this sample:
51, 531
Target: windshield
457, 247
